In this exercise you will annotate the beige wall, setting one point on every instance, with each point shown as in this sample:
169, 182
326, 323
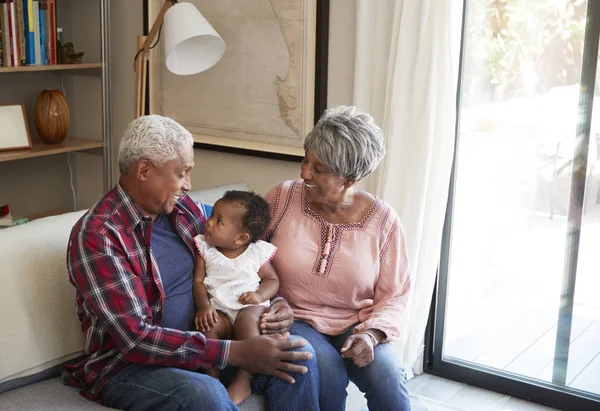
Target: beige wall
214, 168
39, 184
30, 186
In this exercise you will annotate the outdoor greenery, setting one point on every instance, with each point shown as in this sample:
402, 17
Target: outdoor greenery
522, 47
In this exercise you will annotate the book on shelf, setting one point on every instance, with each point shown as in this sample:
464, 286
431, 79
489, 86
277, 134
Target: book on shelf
7, 220
27, 32
51, 28
20, 28
43, 10
15, 221
37, 46
5, 216
12, 33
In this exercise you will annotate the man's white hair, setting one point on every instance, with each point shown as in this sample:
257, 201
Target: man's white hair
155, 138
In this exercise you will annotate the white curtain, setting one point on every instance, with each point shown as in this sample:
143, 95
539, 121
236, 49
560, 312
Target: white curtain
406, 69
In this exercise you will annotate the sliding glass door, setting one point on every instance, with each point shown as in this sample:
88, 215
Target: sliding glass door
518, 297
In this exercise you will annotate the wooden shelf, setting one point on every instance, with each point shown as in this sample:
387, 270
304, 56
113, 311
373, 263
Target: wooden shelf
54, 67
39, 149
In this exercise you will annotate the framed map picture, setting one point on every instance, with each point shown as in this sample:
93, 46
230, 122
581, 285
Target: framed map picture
264, 95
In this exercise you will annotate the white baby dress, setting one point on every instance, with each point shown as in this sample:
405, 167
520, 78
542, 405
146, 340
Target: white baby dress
228, 278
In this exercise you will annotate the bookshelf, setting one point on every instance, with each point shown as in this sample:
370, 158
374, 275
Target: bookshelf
41, 180
39, 149
55, 67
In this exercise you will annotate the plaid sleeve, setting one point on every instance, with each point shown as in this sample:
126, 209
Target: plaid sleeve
100, 270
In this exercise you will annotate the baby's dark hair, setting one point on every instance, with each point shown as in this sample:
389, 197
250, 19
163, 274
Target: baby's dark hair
257, 217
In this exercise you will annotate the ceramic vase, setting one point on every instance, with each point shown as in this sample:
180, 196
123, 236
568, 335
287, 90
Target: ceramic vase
52, 116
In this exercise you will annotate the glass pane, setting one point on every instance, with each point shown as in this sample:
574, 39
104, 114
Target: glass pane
518, 120
583, 371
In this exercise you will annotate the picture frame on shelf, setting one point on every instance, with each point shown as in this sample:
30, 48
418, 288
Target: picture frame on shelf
267, 91
14, 134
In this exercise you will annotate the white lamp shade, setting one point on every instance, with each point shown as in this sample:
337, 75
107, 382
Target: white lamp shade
191, 44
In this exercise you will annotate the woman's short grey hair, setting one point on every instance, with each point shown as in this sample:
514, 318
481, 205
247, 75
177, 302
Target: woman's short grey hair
155, 138
348, 141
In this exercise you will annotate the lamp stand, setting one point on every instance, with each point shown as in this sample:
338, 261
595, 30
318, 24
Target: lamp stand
140, 65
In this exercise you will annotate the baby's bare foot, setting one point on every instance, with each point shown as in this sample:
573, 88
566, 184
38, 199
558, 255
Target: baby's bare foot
238, 391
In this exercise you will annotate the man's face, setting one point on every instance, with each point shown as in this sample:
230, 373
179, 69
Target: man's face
166, 183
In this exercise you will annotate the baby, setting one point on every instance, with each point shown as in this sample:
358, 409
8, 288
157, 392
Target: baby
234, 279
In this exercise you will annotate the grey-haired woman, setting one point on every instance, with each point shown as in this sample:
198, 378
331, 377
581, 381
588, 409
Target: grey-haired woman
342, 262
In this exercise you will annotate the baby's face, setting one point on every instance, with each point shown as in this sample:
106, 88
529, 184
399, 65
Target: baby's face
223, 228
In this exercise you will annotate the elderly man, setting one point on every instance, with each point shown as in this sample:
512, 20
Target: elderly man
130, 258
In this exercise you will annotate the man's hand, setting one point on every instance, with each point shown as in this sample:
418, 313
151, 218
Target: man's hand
278, 318
360, 348
250, 297
267, 355
206, 318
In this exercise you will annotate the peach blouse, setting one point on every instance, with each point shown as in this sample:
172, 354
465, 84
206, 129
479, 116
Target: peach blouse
337, 275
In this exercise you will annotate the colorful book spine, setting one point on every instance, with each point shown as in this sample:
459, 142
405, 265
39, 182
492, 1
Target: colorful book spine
11, 38
15, 34
1, 34
52, 30
20, 25
28, 29
6, 33
46, 45
43, 36
36, 32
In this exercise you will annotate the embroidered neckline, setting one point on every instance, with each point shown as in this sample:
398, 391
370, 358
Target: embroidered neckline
364, 222
330, 233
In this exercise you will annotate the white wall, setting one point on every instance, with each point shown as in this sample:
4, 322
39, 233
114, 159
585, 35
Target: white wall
214, 168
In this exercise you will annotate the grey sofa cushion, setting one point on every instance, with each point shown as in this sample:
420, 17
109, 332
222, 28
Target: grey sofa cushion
209, 196
52, 395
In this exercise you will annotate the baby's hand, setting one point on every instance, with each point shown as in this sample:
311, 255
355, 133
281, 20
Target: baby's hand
250, 298
206, 319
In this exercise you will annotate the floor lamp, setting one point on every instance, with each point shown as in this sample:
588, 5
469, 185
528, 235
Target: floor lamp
191, 45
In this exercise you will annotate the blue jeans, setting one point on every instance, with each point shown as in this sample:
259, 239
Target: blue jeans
146, 387
382, 381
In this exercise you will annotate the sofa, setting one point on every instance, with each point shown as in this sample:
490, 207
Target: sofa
40, 329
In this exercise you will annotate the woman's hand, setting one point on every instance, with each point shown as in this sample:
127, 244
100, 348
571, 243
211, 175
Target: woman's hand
360, 347
278, 318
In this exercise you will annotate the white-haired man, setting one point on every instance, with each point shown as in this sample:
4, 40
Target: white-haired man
130, 258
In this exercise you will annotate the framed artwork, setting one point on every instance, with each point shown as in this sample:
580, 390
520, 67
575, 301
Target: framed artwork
267, 91
15, 131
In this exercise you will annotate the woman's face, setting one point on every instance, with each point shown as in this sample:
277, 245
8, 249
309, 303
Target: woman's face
321, 184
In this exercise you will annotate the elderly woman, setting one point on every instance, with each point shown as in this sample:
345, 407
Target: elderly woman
342, 262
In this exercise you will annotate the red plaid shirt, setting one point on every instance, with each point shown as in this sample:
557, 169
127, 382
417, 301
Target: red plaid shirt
120, 295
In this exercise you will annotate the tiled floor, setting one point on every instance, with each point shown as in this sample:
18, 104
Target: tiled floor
430, 393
